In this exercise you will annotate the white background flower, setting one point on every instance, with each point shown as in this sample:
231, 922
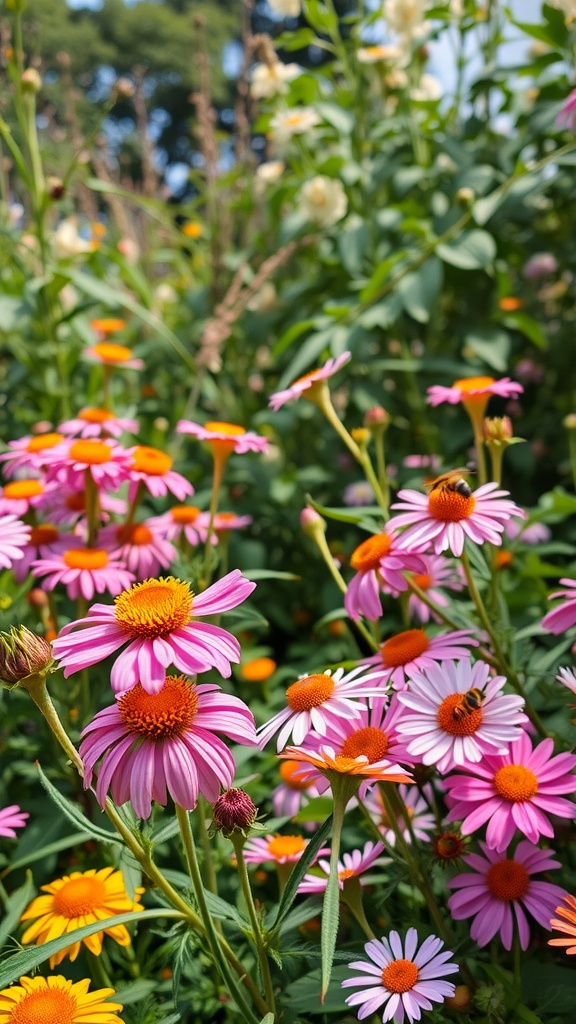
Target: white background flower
323, 200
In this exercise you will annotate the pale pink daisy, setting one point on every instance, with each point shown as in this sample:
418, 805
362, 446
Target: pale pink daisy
140, 546
158, 621
224, 438
380, 565
165, 743
106, 461
517, 790
110, 354
14, 536
225, 522
418, 811
445, 518
310, 384
498, 890
430, 462
153, 468
12, 818
293, 792
449, 733
184, 521
562, 617
19, 496
534, 533
567, 676
94, 422
474, 392
413, 650
405, 979
278, 849
83, 571
441, 572
567, 116
27, 453
314, 702
44, 540
352, 865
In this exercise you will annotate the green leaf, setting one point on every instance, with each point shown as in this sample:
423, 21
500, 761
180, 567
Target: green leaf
46, 851
472, 250
14, 908
361, 517
300, 868
527, 326
308, 352
292, 334
269, 574
421, 289
268, 1019
299, 915
492, 345
353, 240
12, 312
380, 275
224, 911
342, 120
317, 809
75, 815
330, 921
549, 987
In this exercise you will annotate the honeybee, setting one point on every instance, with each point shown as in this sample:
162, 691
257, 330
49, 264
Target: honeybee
470, 702
452, 480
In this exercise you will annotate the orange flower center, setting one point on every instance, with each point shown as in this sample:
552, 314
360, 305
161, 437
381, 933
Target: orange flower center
224, 521
220, 446
43, 441
110, 352
286, 846
93, 453
312, 373
507, 880
184, 513
288, 774
231, 429
449, 845
95, 415
192, 229
79, 896
310, 692
459, 726
108, 324
162, 715
515, 783
404, 647
371, 742
474, 404
85, 558
424, 581
345, 765
23, 489
468, 384
44, 534
450, 506
151, 461
136, 534
76, 502
369, 554
400, 975
155, 607
47, 1006
346, 873
257, 670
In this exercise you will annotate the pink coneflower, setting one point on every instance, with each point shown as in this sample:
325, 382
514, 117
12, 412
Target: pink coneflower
14, 536
440, 572
324, 759
567, 676
165, 743
157, 619
12, 818
359, 493
374, 733
93, 422
567, 116
293, 791
541, 264
67, 506
310, 384
535, 533
565, 923
140, 546
224, 437
153, 468
44, 541
279, 849
108, 353
352, 865
413, 650
431, 462
405, 980
317, 701
445, 518
418, 811
19, 496
513, 791
448, 732
474, 392
380, 566
225, 522
27, 453
184, 520
499, 889
83, 571
107, 462
562, 617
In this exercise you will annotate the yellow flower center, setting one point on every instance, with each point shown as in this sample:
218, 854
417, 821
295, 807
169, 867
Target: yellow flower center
460, 726
162, 715
345, 765
23, 489
346, 873
44, 534
474, 404
151, 461
404, 647
258, 669
231, 429
515, 783
136, 534
90, 415
507, 880
47, 1006
43, 441
85, 558
371, 742
468, 384
192, 229
184, 513
79, 896
310, 692
311, 375
93, 453
108, 325
155, 607
110, 352
400, 975
424, 582
450, 506
369, 554
286, 846
289, 776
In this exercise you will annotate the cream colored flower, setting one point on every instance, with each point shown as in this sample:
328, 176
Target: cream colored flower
67, 240
429, 88
264, 300
288, 8
406, 17
567, 6
294, 121
323, 200
270, 171
390, 54
272, 79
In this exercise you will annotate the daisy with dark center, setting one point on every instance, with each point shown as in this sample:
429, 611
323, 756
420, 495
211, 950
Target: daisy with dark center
224, 438
562, 617
311, 384
153, 468
27, 453
416, 809
401, 977
94, 422
441, 574
183, 521
106, 462
157, 744
565, 923
315, 702
83, 571
380, 566
352, 865
12, 818
44, 541
517, 790
140, 546
448, 730
75, 900
413, 650
55, 1000
14, 536
20, 496
498, 890
157, 619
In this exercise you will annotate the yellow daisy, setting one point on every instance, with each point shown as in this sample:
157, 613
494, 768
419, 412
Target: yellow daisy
74, 901
47, 1000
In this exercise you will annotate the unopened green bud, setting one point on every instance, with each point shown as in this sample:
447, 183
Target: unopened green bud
23, 654
31, 81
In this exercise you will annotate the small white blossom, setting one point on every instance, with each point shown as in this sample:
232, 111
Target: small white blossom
287, 8
323, 200
272, 79
294, 121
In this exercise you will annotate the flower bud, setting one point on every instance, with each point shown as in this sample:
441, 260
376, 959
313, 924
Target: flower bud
497, 429
461, 1001
448, 847
123, 88
311, 522
465, 197
55, 188
361, 435
491, 1000
376, 418
569, 421
31, 81
234, 811
23, 654
37, 598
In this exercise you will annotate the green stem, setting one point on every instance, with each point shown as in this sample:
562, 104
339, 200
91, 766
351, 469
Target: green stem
352, 897
322, 544
496, 457
208, 872
517, 962
379, 445
238, 843
219, 463
92, 507
343, 788
134, 504
572, 450
480, 455
382, 498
